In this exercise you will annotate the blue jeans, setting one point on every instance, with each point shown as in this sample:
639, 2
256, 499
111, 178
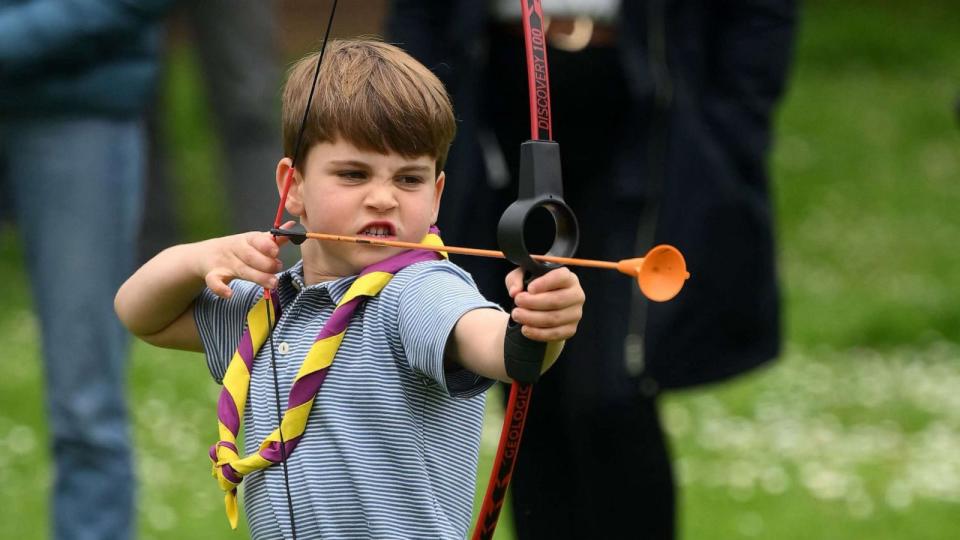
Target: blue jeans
74, 187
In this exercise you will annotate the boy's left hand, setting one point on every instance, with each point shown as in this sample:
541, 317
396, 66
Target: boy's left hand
550, 308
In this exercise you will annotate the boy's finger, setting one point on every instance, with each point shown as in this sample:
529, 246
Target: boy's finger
547, 319
514, 282
557, 278
268, 281
259, 260
263, 279
551, 300
549, 334
283, 240
216, 283
263, 242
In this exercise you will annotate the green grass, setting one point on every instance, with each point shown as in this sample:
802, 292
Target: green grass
866, 176
855, 433
828, 444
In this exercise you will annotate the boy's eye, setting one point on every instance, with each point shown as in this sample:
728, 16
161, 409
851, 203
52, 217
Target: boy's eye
352, 175
410, 180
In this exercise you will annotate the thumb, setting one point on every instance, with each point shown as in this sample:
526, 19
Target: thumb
514, 282
217, 281
283, 240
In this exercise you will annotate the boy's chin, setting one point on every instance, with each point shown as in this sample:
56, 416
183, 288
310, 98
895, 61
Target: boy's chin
369, 255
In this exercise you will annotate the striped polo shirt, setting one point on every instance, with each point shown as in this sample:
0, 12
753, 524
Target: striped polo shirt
392, 441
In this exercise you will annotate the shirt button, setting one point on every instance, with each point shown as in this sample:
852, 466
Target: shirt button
284, 348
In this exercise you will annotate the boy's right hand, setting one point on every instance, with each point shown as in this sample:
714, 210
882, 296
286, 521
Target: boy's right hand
155, 302
250, 256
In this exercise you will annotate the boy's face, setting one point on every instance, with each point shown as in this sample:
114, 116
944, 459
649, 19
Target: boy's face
348, 191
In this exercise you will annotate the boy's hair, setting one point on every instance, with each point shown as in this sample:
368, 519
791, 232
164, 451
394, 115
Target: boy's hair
373, 95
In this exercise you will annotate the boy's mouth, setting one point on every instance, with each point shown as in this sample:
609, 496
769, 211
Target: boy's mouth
378, 230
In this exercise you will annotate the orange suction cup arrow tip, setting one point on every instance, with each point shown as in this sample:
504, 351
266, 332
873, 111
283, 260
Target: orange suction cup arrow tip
660, 273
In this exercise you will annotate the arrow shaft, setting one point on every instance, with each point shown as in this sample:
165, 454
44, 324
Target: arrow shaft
458, 250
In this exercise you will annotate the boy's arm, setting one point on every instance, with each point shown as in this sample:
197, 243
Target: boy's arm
549, 311
156, 303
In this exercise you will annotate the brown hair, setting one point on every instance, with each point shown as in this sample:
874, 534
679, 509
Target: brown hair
373, 95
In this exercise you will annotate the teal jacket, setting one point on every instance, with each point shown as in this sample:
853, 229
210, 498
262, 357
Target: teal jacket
62, 57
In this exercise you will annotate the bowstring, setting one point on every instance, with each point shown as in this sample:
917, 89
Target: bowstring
273, 359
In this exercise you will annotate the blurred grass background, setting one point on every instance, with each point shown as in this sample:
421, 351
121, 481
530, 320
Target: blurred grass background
854, 433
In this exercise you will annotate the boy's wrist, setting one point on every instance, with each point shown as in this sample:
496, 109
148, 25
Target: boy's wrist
192, 257
525, 359
195, 257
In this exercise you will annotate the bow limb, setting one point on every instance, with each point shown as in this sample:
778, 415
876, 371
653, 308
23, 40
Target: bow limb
288, 181
541, 187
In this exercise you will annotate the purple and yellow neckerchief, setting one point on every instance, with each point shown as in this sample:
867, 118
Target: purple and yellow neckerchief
229, 467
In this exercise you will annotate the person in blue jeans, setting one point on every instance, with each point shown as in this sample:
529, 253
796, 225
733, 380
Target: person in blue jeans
75, 77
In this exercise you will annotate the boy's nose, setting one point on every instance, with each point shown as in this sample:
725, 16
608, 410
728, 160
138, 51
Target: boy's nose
381, 198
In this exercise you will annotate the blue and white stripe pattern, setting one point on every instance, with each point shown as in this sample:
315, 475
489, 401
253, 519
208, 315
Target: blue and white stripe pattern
391, 445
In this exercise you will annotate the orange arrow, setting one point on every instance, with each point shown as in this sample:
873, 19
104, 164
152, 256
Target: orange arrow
660, 273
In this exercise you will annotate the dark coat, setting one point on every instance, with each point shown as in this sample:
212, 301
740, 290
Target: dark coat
703, 79
81, 56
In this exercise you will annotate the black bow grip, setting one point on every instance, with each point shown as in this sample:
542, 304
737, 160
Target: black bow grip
541, 186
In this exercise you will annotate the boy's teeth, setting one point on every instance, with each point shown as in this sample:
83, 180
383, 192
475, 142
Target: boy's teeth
376, 231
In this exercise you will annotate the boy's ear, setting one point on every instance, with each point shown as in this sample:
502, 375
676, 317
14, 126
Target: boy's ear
438, 193
294, 205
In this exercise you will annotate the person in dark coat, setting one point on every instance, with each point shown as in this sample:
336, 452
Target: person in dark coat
75, 77
663, 112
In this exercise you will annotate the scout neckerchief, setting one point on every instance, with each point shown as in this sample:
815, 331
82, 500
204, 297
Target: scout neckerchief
229, 467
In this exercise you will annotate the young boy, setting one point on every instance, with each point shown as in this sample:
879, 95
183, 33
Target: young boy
390, 445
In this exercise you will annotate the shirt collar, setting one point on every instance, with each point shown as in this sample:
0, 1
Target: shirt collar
291, 283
